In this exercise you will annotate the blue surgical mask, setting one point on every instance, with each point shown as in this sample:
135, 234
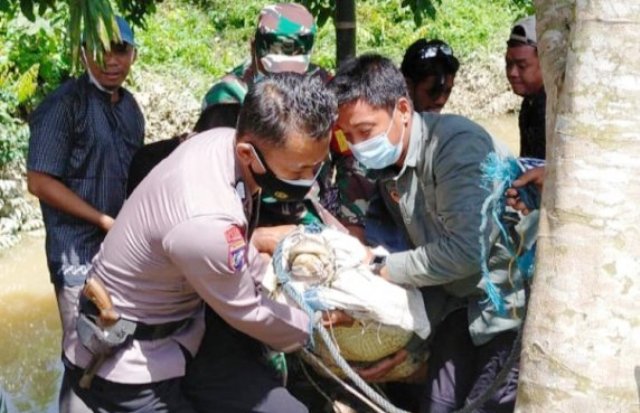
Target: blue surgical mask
378, 152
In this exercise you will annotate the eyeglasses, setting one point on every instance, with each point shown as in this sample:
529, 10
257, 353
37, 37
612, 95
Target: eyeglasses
271, 43
431, 51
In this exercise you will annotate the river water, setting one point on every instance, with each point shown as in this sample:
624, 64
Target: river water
30, 370
30, 367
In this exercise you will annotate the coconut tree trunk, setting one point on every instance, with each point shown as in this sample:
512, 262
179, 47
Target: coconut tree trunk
581, 345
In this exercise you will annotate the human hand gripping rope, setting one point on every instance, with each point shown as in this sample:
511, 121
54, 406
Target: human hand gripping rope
310, 304
498, 175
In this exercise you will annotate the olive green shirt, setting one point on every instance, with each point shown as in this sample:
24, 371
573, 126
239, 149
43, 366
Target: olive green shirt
440, 204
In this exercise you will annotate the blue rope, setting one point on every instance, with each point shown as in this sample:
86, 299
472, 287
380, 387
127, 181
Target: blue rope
284, 278
498, 173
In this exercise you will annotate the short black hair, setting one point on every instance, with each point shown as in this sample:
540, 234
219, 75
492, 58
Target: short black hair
218, 115
425, 58
372, 78
285, 103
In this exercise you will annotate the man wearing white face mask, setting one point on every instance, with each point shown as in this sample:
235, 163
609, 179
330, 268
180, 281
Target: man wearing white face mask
436, 164
283, 42
83, 137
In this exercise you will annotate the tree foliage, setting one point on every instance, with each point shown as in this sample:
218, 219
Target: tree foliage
324, 9
89, 21
134, 10
92, 20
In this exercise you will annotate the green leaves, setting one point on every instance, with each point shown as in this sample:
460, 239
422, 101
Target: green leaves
26, 7
5, 6
136, 11
91, 22
321, 9
421, 9
14, 134
25, 86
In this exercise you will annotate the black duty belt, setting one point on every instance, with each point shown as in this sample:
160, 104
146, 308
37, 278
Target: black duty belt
146, 332
143, 331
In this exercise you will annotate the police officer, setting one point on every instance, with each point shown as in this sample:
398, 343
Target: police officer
182, 238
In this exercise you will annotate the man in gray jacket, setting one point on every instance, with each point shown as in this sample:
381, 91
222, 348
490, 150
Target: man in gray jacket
436, 163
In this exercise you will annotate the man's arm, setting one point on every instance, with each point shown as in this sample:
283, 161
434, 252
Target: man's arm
459, 197
224, 269
50, 149
54, 193
266, 239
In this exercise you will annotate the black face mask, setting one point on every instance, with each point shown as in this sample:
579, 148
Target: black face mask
275, 189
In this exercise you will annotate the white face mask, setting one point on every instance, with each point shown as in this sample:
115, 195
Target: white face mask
278, 63
378, 152
93, 79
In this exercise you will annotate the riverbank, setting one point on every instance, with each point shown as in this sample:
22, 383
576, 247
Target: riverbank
481, 91
186, 46
170, 108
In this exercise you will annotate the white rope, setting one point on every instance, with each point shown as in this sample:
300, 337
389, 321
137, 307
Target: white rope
284, 279
319, 363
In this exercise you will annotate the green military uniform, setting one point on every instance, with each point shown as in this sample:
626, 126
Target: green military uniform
343, 189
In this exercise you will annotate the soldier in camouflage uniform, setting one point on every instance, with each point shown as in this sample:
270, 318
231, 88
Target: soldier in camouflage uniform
283, 42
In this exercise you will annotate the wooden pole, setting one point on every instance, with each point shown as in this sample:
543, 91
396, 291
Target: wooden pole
345, 22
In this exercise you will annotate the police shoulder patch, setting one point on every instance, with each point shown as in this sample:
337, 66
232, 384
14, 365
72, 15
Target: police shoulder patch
236, 248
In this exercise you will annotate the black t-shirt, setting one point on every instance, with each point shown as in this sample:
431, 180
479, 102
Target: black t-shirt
532, 126
147, 157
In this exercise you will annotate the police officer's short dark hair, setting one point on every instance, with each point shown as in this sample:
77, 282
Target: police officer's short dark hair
285, 103
371, 78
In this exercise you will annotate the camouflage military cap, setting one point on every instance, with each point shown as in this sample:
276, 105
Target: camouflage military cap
285, 28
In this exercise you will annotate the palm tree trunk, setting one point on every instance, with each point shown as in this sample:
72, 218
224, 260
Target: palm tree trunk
581, 345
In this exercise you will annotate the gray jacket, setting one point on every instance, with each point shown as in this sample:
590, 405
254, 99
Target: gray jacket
440, 204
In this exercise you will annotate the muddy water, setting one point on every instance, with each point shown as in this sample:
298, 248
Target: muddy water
505, 129
30, 370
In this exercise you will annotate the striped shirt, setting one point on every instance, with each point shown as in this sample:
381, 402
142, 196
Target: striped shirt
87, 142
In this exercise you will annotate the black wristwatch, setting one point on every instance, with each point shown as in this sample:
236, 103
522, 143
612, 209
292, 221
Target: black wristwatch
377, 262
